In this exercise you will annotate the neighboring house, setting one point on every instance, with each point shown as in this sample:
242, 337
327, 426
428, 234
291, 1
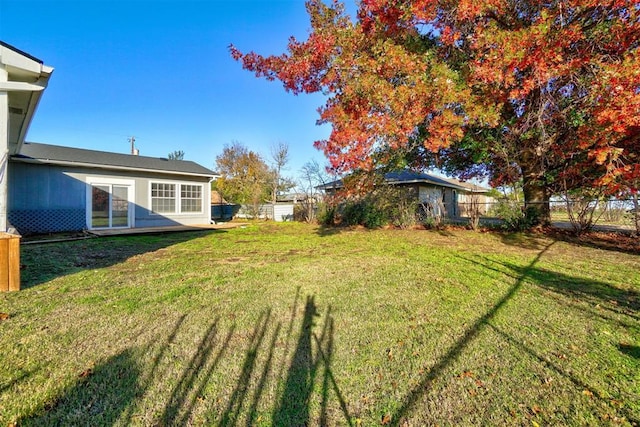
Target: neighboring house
55, 189
217, 199
434, 192
298, 198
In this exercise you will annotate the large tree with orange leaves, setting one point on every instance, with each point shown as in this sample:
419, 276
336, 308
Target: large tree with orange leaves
543, 91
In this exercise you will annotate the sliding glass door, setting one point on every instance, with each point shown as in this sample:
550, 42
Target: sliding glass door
110, 206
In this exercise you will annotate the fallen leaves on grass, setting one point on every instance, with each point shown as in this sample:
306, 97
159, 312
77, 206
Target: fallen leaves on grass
86, 373
4, 316
623, 242
617, 403
466, 374
386, 419
560, 356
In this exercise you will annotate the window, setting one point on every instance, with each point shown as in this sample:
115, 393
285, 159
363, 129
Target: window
163, 197
190, 198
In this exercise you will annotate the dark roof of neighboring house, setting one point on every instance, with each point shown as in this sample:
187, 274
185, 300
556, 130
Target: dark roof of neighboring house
407, 176
217, 199
54, 154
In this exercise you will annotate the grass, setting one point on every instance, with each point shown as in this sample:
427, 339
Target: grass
289, 324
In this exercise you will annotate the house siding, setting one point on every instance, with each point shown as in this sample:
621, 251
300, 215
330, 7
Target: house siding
450, 202
48, 198
447, 196
36, 203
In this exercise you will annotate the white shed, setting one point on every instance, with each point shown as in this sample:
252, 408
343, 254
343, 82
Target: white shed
283, 212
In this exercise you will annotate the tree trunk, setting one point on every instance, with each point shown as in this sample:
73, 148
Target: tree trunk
536, 197
636, 212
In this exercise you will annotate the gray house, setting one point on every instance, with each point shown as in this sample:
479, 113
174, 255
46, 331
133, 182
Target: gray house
55, 189
440, 194
47, 188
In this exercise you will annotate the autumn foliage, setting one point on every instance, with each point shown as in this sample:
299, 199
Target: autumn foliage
543, 92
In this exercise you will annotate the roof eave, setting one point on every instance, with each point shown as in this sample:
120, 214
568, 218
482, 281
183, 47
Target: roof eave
28, 115
109, 167
425, 181
25, 73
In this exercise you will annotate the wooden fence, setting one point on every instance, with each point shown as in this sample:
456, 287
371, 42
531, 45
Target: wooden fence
9, 262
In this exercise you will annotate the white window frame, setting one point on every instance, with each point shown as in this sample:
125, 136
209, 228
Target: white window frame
178, 209
92, 180
191, 198
176, 189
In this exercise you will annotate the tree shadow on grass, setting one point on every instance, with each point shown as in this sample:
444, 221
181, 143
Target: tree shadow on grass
611, 241
600, 294
306, 361
411, 398
106, 393
329, 230
562, 283
630, 350
566, 373
238, 397
195, 377
295, 364
523, 240
291, 363
99, 397
311, 359
41, 263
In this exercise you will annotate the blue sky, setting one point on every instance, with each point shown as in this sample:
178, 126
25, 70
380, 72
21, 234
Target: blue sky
161, 71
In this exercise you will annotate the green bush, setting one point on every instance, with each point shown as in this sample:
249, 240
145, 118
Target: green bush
352, 213
327, 214
363, 212
513, 216
401, 207
373, 216
383, 206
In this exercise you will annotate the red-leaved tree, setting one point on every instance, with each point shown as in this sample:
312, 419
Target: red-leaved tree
543, 92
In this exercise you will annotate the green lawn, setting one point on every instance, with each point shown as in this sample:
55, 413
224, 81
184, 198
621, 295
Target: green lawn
289, 324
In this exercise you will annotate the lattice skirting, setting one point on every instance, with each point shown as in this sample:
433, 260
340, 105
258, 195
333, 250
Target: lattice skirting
48, 221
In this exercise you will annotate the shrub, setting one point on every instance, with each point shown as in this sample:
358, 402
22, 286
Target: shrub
431, 214
327, 213
581, 207
400, 207
373, 216
363, 212
513, 217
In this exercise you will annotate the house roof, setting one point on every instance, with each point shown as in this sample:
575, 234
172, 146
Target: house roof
217, 199
54, 154
407, 176
26, 79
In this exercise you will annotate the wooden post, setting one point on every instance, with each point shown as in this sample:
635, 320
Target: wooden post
9, 262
